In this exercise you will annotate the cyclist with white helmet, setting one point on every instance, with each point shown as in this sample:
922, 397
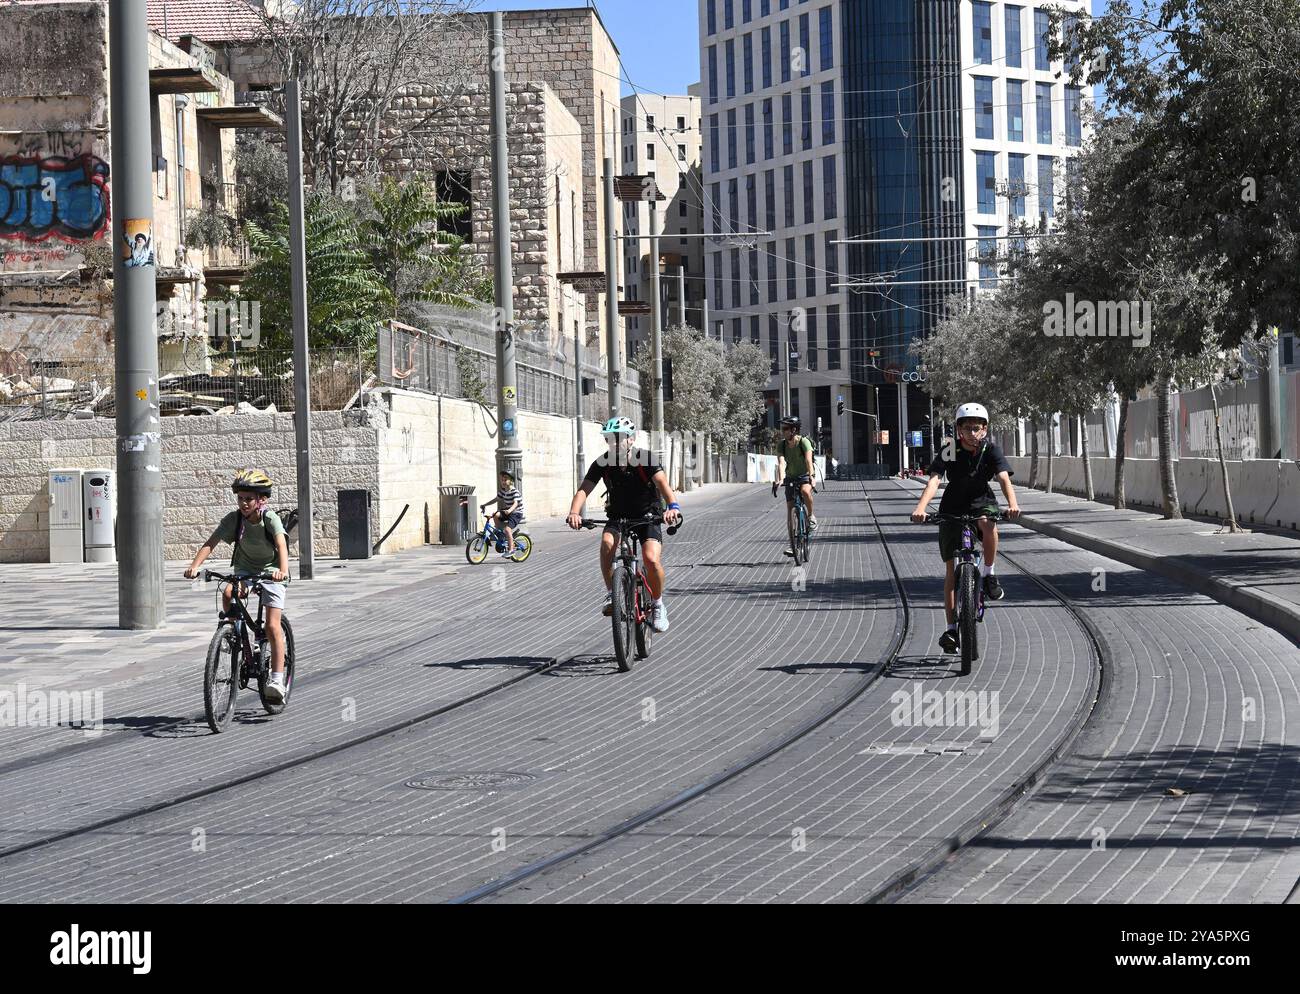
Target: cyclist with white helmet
974, 463
635, 484
795, 464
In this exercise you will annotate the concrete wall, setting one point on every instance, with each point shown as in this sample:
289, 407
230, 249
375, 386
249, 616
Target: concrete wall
1264, 491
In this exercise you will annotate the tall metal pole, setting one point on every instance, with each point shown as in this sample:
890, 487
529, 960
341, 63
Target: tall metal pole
509, 455
140, 599
656, 331
615, 373
577, 405
704, 315
301, 356
902, 425
681, 293
1270, 408
785, 384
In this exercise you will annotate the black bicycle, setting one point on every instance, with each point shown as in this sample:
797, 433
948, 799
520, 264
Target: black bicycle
800, 532
631, 589
969, 591
233, 663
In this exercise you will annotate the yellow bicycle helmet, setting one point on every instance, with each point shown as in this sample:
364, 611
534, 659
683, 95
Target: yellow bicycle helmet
253, 480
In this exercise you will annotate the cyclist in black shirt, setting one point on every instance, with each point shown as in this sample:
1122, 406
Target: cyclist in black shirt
976, 462
636, 485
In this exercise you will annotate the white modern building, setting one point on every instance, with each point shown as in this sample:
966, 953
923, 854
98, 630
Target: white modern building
661, 138
888, 123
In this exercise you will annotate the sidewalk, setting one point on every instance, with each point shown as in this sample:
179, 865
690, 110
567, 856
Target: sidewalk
1256, 574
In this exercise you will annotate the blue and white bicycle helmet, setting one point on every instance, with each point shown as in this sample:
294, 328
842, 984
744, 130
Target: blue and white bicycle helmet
618, 426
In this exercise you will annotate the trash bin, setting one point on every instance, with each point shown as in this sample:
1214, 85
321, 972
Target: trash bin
354, 524
99, 498
455, 525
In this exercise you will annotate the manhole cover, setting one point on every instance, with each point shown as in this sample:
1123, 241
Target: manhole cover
469, 781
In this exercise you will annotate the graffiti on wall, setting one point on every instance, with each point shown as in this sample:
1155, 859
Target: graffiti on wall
63, 197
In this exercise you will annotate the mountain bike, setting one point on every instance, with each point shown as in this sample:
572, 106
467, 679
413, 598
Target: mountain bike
800, 533
233, 662
631, 590
968, 588
494, 537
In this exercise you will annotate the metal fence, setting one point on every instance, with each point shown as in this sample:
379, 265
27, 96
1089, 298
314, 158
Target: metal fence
454, 362
194, 379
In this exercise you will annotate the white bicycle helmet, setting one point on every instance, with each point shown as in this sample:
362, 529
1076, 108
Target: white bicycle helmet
972, 411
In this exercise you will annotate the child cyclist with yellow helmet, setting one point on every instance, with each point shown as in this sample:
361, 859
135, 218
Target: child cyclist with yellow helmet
260, 547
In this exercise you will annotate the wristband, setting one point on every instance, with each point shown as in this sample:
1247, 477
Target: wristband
674, 506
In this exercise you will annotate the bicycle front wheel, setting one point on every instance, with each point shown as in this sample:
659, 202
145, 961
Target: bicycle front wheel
288, 671
966, 607
221, 677
624, 617
796, 546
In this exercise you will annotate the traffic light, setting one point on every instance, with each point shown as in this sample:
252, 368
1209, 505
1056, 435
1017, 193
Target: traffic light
839, 407
668, 379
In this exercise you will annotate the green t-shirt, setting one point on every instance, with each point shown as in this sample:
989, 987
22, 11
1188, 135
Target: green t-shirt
256, 552
797, 463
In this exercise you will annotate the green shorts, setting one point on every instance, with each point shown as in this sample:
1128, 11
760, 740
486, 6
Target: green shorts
950, 534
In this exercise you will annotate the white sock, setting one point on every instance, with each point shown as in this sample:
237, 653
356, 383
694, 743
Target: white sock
658, 602
985, 569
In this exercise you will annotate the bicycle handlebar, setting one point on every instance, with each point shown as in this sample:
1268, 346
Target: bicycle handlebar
964, 518
255, 581
645, 519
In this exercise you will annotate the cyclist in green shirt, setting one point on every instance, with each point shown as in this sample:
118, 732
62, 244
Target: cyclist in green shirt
796, 452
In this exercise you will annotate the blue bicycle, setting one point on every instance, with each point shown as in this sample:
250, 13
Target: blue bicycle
494, 537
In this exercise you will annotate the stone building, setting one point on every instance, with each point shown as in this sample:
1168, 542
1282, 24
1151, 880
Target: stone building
56, 187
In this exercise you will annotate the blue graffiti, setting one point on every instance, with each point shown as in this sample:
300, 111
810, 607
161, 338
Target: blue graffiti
64, 197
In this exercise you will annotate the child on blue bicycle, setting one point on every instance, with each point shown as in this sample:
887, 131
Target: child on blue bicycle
510, 510
975, 462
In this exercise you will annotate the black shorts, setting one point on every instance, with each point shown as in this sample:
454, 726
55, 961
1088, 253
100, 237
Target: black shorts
798, 482
646, 532
512, 520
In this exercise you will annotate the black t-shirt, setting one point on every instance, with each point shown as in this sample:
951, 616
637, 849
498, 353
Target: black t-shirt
968, 478
631, 487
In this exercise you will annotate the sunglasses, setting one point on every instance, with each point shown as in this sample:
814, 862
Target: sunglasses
974, 428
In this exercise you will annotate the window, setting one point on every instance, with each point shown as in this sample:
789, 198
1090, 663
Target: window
810, 264
833, 337
811, 320
753, 283
1043, 100
649, 151
829, 206
1041, 60
774, 344
735, 331
649, 122
681, 124
1071, 33
1012, 40
832, 263
988, 253
769, 200
731, 139
1016, 183
718, 299
713, 73
787, 177
1073, 116
791, 280
716, 200
714, 157
764, 7
753, 328
1046, 192
828, 113
746, 11
735, 280
773, 292
985, 181
751, 200
827, 33
983, 107
766, 55
711, 16
681, 208
728, 15
768, 149
787, 124
749, 63
805, 52
733, 202
1072, 180
749, 134
1015, 110
453, 187
982, 16
681, 153
808, 198
806, 110
730, 58
785, 51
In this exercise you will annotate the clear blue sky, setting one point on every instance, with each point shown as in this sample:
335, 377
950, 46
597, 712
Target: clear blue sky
659, 40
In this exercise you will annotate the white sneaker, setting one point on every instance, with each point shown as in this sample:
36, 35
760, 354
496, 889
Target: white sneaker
275, 688
812, 524
659, 617
609, 604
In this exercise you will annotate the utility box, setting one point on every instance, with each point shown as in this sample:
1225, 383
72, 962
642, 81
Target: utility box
453, 514
354, 524
67, 539
99, 509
